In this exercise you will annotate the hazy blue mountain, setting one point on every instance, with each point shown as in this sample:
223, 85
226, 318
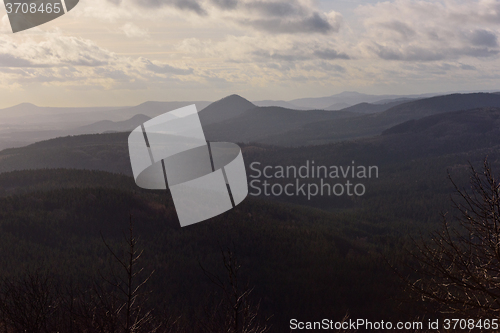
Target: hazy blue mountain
27, 123
28, 116
348, 97
153, 109
483, 121
367, 108
260, 122
373, 124
439, 104
28, 109
420, 150
112, 126
22, 109
27, 135
338, 106
63, 227
403, 99
266, 125
224, 109
442, 134
281, 104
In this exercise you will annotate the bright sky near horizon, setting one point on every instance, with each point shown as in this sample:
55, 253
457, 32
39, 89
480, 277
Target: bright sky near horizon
125, 52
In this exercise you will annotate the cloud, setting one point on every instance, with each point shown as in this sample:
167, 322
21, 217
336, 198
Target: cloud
481, 37
426, 54
315, 23
290, 57
72, 61
225, 4
276, 8
425, 30
55, 51
270, 16
400, 27
330, 54
188, 5
165, 68
254, 45
131, 30
467, 67
9, 60
300, 52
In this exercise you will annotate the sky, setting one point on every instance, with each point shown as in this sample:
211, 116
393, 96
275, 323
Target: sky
125, 52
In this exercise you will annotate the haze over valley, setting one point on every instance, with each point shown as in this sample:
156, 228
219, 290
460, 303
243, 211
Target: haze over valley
232, 118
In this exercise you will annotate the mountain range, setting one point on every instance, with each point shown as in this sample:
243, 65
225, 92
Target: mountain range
348, 98
322, 256
374, 124
453, 135
236, 119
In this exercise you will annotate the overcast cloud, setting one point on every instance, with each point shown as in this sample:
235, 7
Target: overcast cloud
265, 49
432, 31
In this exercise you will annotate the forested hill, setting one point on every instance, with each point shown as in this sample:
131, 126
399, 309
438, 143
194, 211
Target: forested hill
258, 123
438, 135
106, 152
26, 181
413, 161
332, 257
281, 248
373, 124
413, 158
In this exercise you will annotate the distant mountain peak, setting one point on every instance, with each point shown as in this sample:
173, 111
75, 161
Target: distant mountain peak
23, 106
140, 117
224, 109
233, 101
234, 98
22, 109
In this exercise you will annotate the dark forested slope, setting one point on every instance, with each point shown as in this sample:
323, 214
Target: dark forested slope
302, 262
